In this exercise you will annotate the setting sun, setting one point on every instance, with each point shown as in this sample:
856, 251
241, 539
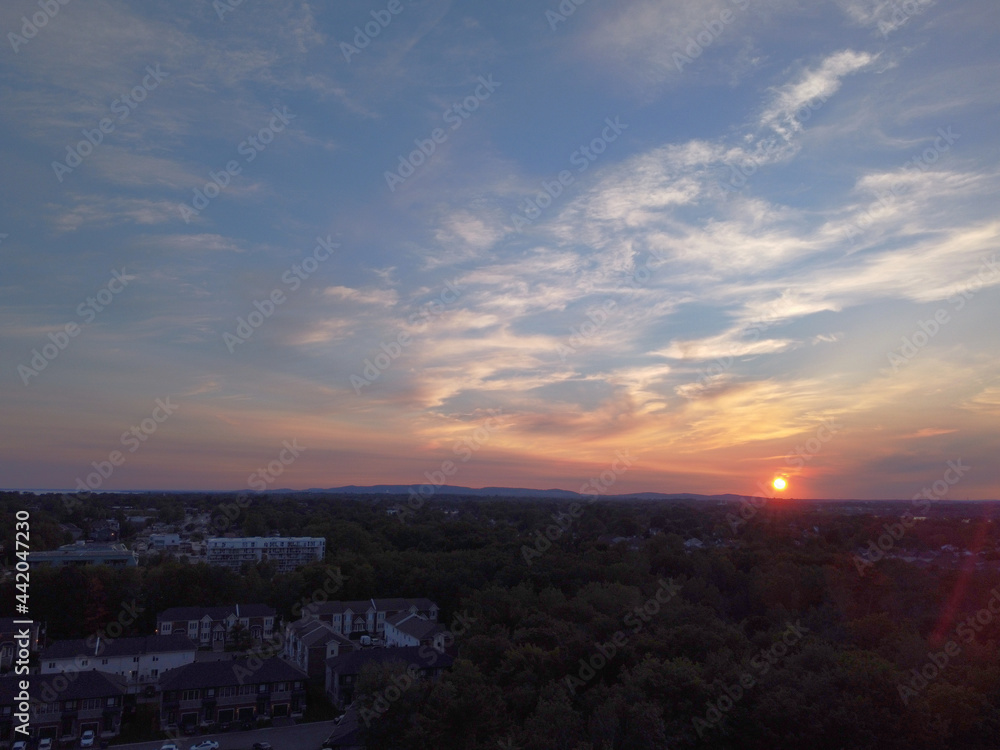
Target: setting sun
779, 483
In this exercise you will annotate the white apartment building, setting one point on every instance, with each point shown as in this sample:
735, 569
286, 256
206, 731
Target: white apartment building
288, 552
139, 660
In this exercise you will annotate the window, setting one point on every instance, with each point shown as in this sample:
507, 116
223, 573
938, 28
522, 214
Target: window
156, 658
154, 672
104, 661
247, 689
52, 665
84, 663
189, 695
111, 701
281, 687
227, 692
210, 693
135, 659
70, 705
262, 688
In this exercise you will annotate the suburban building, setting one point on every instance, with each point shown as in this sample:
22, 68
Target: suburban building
310, 642
288, 553
164, 541
237, 690
7, 646
411, 629
63, 707
368, 616
218, 626
342, 671
139, 660
114, 554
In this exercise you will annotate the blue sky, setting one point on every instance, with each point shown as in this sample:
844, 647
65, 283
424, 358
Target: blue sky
735, 239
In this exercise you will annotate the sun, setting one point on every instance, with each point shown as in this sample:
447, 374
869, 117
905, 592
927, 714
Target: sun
779, 483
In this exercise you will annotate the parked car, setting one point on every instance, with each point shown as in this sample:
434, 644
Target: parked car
45, 744
262, 746
20, 745
169, 746
87, 738
205, 745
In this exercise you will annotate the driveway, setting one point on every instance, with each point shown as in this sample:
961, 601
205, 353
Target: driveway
298, 737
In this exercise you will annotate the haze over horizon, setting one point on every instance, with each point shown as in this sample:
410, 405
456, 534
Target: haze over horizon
696, 245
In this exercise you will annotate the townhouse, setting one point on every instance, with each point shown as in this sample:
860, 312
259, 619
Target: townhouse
140, 660
210, 693
62, 707
217, 627
368, 616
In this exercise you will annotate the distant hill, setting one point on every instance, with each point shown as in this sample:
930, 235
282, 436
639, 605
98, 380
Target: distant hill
447, 489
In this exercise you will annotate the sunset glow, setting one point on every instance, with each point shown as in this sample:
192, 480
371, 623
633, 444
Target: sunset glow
514, 244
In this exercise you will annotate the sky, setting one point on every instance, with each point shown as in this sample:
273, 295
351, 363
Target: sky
667, 246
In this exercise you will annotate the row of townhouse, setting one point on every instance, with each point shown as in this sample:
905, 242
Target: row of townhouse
62, 707
223, 692
86, 684
368, 616
218, 626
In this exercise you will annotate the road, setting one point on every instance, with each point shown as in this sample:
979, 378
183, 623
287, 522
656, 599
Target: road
298, 737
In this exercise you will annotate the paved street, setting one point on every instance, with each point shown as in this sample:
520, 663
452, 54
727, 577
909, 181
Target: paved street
299, 737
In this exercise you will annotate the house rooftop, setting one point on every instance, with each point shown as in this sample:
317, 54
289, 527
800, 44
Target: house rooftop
92, 684
224, 673
215, 613
107, 647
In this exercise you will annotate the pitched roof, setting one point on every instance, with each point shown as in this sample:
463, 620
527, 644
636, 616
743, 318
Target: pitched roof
91, 684
107, 647
351, 663
382, 605
203, 674
415, 626
313, 632
216, 613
